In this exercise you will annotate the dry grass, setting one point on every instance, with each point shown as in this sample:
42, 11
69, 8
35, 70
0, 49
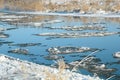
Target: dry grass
25, 5
60, 75
61, 70
1, 3
39, 5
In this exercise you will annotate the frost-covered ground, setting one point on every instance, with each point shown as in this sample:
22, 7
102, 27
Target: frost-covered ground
15, 69
66, 14
71, 14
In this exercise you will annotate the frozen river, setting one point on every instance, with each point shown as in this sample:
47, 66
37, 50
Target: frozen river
18, 31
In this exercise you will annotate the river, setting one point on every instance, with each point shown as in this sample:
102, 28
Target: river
21, 28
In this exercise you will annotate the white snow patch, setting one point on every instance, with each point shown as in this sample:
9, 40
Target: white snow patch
14, 69
70, 14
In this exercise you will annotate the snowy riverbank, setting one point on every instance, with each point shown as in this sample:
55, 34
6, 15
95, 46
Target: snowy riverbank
65, 14
15, 69
71, 14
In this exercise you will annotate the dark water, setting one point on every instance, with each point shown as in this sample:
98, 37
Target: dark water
23, 33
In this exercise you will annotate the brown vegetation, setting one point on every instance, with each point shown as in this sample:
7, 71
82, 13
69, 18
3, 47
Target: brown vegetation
41, 5
24, 5
60, 75
1, 3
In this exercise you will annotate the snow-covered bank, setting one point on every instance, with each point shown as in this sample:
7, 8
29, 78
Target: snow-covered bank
15, 69
71, 14
65, 14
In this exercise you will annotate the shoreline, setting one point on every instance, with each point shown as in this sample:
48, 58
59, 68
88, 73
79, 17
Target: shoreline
64, 14
15, 69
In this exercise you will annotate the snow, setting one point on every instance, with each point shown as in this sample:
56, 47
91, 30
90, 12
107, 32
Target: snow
117, 54
12, 17
68, 14
15, 69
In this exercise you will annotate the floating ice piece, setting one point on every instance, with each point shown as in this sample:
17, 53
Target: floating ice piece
19, 50
80, 28
2, 29
68, 49
25, 44
2, 35
53, 57
78, 34
11, 16
92, 65
117, 54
